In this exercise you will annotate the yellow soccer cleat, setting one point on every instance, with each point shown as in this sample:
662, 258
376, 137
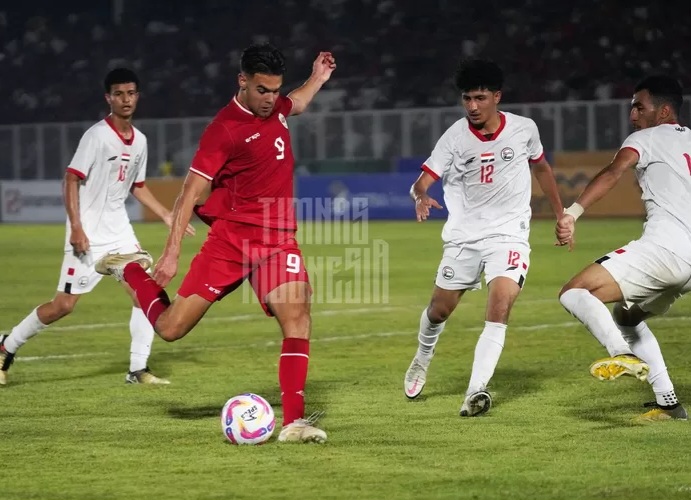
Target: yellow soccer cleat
662, 413
614, 367
145, 377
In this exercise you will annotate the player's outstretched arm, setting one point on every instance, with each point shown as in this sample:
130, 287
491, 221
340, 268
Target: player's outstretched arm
545, 178
192, 189
596, 189
322, 68
70, 191
144, 195
423, 202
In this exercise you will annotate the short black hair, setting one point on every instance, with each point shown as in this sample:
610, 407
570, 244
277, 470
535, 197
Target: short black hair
262, 58
664, 90
120, 75
478, 74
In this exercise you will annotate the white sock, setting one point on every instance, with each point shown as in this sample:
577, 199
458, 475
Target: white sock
596, 318
428, 336
645, 346
142, 337
29, 327
487, 352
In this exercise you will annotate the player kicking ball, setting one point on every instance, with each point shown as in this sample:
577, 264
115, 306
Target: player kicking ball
484, 161
245, 154
645, 277
110, 162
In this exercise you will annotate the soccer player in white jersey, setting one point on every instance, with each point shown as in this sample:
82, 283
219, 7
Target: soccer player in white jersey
646, 276
484, 161
110, 162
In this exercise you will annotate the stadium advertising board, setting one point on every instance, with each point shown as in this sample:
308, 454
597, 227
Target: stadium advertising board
41, 201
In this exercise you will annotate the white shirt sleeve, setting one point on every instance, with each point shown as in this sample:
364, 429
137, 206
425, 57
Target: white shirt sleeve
638, 141
535, 149
85, 156
441, 159
141, 173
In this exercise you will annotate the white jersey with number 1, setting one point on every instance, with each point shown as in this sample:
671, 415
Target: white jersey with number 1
108, 165
486, 180
664, 174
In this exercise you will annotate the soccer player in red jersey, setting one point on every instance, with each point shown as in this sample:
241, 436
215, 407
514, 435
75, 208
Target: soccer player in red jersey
246, 155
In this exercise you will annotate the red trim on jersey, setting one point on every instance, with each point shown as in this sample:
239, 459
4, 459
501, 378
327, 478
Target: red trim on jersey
76, 172
138, 184
632, 149
126, 142
430, 171
479, 135
538, 159
525, 266
620, 251
70, 271
243, 108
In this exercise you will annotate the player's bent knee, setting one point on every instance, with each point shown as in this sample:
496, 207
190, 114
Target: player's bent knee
625, 317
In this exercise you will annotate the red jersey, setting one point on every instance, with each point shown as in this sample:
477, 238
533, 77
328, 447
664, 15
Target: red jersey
249, 161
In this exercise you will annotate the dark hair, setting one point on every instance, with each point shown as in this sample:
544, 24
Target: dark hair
262, 58
664, 90
478, 74
120, 75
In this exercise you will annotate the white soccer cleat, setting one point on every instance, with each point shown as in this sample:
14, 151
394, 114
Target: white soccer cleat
476, 404
303, 431
114, 264
415, 377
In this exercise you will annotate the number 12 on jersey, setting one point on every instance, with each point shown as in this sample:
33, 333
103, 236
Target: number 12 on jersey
486, 172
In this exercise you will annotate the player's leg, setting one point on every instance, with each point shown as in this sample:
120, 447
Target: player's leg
142, 334
76, 278
170, 321
631, 322
432, 323
585, 296
282, 287
458, 271
506, 266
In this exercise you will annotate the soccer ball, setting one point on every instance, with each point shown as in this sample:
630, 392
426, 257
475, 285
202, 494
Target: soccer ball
248, 419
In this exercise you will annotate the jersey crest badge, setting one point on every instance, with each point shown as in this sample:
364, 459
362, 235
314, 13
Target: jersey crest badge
282, 119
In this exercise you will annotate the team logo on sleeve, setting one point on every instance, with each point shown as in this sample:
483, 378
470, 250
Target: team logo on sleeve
486, 157
282, 119
507, 154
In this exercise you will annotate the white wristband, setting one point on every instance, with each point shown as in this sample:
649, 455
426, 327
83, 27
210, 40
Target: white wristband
575, 211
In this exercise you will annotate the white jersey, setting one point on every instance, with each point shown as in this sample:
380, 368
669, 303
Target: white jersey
486, 180
108, 166
664, 174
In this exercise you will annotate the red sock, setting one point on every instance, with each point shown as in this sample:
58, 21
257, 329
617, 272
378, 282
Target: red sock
152, 298
292, 375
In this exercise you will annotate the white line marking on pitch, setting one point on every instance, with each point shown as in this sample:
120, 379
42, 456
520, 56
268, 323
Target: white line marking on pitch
340, 338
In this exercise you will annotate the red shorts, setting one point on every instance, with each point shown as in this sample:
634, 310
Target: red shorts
234, 252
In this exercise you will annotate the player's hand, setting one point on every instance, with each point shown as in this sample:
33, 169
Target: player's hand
79, 240
565, 230
423, 204
168, 220
166, 268
323, 66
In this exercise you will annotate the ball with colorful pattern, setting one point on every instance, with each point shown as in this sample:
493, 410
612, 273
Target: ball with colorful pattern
248, 419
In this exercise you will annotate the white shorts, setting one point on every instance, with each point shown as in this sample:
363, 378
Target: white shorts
648, 275
78, 274
462, 265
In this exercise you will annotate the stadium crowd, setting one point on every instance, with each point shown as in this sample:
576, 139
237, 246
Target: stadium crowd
391, 53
